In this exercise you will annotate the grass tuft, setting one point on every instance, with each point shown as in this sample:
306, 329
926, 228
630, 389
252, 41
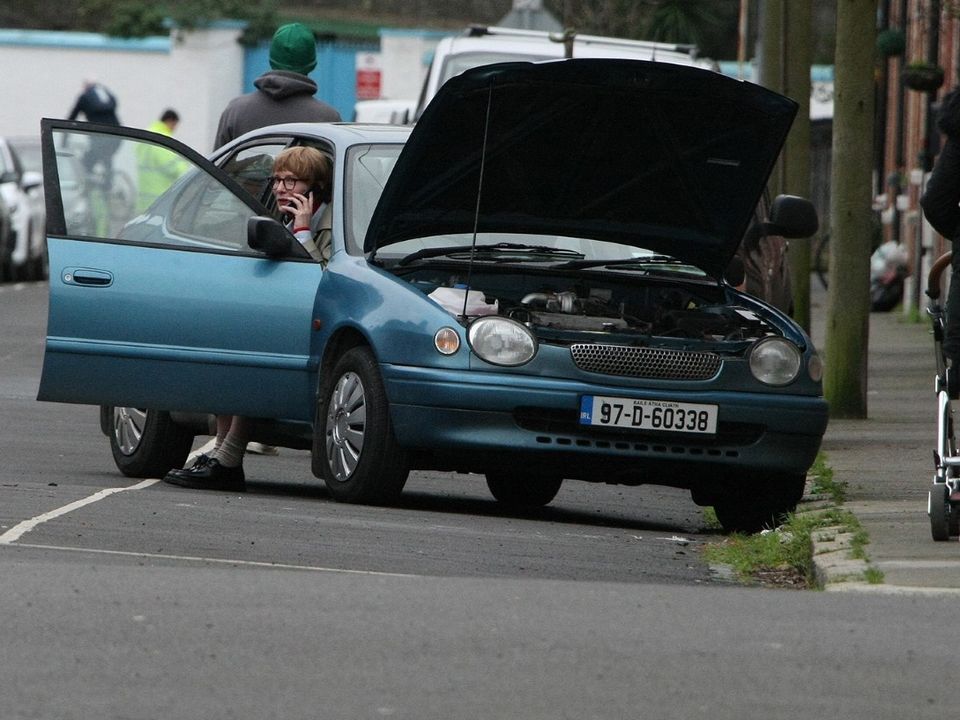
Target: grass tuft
784, 557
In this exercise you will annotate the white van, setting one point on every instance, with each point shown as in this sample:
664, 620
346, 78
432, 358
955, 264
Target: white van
485, 45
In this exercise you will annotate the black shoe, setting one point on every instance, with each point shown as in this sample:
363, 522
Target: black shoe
210, 476
199, 462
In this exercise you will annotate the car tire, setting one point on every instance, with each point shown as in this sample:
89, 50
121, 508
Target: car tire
145, 443
519, 489
752, 503
355, 450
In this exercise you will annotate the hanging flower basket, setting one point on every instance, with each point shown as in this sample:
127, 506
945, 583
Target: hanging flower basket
891, 42
922, 77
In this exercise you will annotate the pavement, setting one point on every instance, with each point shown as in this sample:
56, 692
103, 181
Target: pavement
886, 462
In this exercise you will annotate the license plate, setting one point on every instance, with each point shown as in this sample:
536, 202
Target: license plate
661, 415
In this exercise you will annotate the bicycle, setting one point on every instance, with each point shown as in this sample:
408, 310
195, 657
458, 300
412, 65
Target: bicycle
112, 205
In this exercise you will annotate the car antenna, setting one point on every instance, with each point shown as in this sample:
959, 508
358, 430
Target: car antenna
476, 212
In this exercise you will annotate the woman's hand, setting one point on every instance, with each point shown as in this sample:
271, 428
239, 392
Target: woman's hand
300, 207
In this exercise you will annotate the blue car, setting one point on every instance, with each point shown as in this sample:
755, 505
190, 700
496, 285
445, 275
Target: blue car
532, 284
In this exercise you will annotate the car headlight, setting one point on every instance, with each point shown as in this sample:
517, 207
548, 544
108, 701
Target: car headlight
501, 341
775, 361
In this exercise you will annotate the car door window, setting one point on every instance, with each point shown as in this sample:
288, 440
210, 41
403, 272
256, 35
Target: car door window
251, 166
153, 191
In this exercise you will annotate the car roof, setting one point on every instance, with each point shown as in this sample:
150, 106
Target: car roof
340, 133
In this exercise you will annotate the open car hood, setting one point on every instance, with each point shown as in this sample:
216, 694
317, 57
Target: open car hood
659, 156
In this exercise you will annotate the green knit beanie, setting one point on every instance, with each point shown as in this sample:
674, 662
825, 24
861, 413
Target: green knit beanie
293, 48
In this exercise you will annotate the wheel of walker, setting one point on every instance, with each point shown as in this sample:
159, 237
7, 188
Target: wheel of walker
938, 507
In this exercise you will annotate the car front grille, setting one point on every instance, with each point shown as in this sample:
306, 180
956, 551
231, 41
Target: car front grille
644, 362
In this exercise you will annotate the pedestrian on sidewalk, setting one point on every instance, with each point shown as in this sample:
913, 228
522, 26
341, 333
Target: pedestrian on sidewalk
941, 207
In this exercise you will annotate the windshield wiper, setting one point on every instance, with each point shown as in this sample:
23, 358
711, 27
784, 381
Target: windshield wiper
487, 250
639, 262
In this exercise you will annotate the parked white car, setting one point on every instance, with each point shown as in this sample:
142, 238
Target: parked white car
22, 191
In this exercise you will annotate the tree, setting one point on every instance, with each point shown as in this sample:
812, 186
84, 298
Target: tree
848, 299
682, 21
133, 18
798, 29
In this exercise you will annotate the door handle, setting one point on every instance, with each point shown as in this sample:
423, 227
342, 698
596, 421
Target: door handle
87, 277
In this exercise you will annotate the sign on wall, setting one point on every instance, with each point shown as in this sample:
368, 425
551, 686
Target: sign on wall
368, 76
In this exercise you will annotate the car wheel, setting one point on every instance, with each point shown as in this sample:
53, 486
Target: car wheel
146, 443
517, 489
751, 503
354, 448
940, 512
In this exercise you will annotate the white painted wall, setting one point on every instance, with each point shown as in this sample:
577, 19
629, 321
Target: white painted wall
194, 73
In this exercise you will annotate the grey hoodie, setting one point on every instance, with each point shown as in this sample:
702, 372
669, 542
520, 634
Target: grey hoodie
281, 96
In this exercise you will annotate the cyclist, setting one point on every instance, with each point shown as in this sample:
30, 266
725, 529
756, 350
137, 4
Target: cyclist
98, 105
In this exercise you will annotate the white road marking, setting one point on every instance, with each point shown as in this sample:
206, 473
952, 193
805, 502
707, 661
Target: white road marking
18, 530
207, 448
219, 561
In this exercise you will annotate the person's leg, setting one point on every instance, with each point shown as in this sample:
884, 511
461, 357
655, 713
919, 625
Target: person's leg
223, 427
229, 453
223, 469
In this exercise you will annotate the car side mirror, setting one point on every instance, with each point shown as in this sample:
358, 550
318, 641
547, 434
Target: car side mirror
792, 217
268, 236
736, 273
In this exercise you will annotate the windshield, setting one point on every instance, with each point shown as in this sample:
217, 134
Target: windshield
368, 167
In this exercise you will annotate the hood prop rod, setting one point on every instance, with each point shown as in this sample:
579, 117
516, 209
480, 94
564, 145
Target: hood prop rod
476, 212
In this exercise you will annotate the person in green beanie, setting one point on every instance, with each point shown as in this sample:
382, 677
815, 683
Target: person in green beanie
284, 93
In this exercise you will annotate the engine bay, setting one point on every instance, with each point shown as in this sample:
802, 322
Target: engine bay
563, 307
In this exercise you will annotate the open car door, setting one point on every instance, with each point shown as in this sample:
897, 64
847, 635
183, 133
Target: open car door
156, 300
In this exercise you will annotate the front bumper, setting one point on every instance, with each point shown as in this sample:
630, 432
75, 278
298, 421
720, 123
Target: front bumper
480, 415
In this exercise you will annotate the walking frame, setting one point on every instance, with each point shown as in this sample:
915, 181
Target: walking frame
943, 500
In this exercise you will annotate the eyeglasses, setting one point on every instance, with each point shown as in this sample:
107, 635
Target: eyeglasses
289, 183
